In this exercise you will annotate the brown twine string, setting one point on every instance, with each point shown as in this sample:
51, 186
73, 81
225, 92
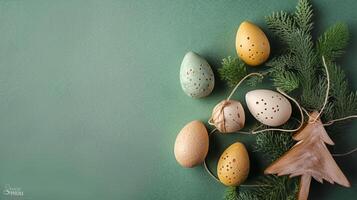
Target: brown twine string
240, 82
220, 112
327, 90
339, 119
345, 154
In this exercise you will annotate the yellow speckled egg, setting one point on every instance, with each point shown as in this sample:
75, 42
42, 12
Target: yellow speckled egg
252, 44
233, 165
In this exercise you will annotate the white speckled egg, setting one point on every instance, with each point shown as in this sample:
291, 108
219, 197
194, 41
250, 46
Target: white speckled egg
269, 107
196, 76
228, 116
191, 145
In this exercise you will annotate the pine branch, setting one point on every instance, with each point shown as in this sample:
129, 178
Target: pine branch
282, 24
281, 72
328, 113
342, 101
295, 189
254, 80
277, 188
345, 102
286, 61
233, 193
301, 47
294, 31
285, 80
313, 98
272, 188
300, 53
273, 144
303, 16
333, 42
230, 193
346, 107
232, 70
246, 195
338, 81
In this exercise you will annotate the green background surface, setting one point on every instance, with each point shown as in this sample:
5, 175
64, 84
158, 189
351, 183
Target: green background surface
90, 99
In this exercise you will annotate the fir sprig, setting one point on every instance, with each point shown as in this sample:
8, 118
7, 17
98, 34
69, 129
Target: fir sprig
273, 144
230, 193
333, 42
342, 100
255, 80
285, 80
282, 24
271, 188
282, 73
275, 187
246, 195
232, 70
303, 16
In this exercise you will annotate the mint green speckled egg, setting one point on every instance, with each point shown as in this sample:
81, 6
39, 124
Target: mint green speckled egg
196, 76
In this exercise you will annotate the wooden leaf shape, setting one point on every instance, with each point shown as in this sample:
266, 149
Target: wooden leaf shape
309, 158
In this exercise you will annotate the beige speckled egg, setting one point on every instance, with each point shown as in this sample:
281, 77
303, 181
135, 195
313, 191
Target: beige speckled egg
252, 44
191, 145
233, 165
228, 116
269, 107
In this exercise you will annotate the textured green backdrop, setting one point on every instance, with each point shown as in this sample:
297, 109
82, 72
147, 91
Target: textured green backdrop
90, 99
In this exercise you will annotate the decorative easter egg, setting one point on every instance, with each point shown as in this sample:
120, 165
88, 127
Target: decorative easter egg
252, 44
196, 76
191, 145
269, 107
228, 116
233, 165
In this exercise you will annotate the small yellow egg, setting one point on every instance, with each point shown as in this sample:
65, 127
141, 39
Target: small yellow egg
233, 165
252, 45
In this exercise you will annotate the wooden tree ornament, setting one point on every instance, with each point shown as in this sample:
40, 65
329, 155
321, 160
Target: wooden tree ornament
309, 158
